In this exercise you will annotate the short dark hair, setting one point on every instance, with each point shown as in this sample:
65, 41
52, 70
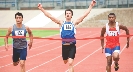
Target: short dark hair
19, 14
69, 10
112, 14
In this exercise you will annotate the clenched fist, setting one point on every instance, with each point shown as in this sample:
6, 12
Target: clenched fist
39, 5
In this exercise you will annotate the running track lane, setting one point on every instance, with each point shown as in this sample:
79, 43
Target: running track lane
88, 33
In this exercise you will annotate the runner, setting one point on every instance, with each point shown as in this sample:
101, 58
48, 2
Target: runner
19, 44
68, 31
112, 48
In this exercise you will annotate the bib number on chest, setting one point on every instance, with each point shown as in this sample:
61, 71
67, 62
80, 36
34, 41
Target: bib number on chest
67, 27
113, 33
19, 33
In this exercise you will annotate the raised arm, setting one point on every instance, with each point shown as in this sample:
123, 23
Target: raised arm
49, 15
80, 19
6, 38
127, 32
31, 37
102, 35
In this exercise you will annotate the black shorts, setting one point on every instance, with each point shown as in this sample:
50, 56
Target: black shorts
68, 51
19, 53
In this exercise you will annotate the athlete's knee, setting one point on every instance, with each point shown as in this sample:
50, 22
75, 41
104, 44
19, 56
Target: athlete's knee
15, 63
65, 61
22, 63
70, 62
116, 56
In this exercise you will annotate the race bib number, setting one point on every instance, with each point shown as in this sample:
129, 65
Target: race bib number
19, 33
67, 27
113, 33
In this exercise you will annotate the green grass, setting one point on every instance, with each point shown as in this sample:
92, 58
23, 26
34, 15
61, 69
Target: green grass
36, 33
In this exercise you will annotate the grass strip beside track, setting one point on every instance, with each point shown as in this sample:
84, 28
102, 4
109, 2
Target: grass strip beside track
37, 33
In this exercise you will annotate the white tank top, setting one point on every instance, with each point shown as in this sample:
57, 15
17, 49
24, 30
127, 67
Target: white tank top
114, 32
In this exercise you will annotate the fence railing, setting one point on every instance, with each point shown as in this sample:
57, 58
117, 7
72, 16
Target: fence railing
63, 4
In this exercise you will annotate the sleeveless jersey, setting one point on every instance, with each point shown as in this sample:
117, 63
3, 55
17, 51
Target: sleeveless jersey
19, 43
67, 32
112, 41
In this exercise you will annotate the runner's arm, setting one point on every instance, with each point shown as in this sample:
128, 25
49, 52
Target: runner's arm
30, 34
80, 19
102, 35
7, 34
47, 14
126, 29
31, 37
